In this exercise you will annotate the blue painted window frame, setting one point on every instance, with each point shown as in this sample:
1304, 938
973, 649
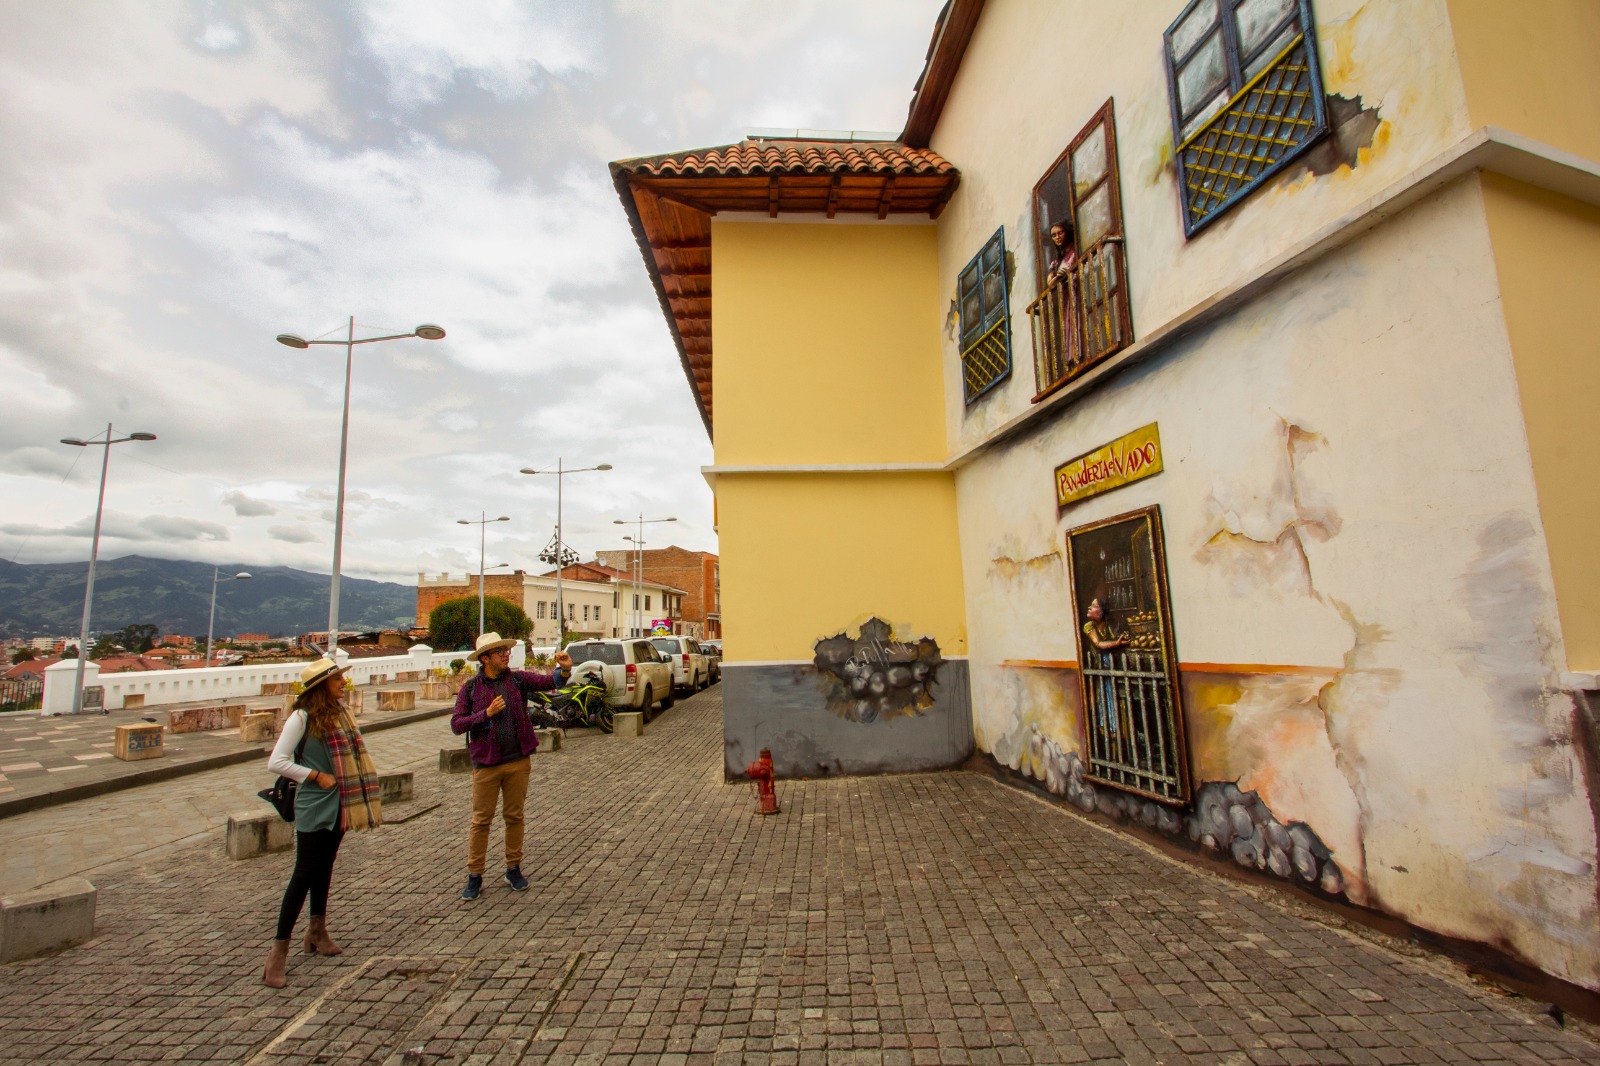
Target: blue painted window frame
982, 303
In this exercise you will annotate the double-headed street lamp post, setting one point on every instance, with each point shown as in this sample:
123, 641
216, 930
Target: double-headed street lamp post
94, 550
211, 626
560, 549
427, 332
482, 522
638, 554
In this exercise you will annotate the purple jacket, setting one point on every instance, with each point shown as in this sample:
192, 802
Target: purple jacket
471, 715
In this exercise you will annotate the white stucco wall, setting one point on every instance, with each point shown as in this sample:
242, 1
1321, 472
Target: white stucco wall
1347, 486
1036, 72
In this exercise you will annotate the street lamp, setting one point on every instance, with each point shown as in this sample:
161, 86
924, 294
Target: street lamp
211, 626
482, 522
94, 551
638, 554
560, 546
427, 332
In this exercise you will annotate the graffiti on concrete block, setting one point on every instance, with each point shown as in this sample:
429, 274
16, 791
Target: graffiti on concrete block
873, 677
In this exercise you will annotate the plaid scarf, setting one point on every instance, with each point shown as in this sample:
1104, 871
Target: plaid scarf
359, 806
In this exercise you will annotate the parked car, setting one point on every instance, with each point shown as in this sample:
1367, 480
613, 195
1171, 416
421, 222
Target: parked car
713, 650
691, 670
636, 675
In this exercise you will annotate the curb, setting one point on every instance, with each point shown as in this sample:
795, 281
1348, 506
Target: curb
155, 774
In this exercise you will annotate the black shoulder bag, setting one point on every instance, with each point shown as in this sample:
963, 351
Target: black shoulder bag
281, 794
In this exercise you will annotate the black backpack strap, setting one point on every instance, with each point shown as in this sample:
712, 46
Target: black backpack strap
300, 748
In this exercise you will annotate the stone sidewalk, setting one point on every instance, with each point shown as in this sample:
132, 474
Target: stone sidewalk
929, 918
48, 760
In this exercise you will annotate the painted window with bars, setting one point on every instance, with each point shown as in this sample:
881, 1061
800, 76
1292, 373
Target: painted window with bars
538, 609
1082, 314
1245, 85
985, 319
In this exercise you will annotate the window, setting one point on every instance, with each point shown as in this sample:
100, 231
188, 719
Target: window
1081, 315
538, 609
572, 610
647, 601
1246, 92
985, 319
586, 612
635, 601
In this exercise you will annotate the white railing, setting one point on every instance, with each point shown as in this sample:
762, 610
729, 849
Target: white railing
220, 682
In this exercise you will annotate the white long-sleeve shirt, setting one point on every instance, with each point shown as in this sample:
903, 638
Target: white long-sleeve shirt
282, 760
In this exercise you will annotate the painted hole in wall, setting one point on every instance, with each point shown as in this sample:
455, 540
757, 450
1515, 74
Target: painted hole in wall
873, 677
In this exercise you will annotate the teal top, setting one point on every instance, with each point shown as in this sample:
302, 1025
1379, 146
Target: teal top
316, 807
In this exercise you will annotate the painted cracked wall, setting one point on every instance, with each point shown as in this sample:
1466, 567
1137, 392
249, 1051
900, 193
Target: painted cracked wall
1026, 88
1361, 595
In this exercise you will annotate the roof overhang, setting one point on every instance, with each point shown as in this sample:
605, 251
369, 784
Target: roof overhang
671, 199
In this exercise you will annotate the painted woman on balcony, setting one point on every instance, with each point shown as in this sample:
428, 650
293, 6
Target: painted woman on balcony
321, 748
1103, 637
1063, 252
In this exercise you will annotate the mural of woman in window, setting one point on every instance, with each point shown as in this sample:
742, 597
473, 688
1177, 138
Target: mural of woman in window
1063, 251
1102, 636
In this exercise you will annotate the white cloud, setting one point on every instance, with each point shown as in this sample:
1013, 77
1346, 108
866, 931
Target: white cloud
247, 506
292, 534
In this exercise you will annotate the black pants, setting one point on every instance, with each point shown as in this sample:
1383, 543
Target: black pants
314, 853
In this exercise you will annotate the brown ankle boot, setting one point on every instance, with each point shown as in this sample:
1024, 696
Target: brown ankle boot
277, 959
318, 942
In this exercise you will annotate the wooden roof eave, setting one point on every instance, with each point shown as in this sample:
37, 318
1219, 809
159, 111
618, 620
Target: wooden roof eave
619, 179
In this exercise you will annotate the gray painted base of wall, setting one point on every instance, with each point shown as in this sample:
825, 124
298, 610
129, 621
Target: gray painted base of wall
783, 707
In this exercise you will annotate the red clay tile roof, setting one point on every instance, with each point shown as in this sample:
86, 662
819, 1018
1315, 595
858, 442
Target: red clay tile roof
763, 158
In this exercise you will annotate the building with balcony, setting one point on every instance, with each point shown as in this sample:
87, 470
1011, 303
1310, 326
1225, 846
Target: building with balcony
1188, 414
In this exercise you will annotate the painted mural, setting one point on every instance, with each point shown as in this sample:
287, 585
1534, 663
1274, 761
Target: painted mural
873, 677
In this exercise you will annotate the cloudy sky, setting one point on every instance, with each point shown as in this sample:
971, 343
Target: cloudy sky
184, 180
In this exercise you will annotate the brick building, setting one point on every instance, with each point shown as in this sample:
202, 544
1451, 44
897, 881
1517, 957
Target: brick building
697, 573
432, 591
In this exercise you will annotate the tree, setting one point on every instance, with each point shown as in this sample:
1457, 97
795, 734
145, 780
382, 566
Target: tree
23, 655
137, 638
454, 623
103, 647
70, 652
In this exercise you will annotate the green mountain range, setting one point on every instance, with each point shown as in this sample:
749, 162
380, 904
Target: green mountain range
46, 599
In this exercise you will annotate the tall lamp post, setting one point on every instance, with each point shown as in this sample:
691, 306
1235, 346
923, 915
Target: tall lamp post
94, 550
482, 522
211, 626
638, 553
560, 546
427, 332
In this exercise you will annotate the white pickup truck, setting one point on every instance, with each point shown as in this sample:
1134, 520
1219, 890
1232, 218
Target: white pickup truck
637, 677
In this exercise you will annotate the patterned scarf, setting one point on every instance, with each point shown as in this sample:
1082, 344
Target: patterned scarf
359, 806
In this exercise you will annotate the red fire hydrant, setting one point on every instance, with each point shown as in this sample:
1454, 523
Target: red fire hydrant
760, 772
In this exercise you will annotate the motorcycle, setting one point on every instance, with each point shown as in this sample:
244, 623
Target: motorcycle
580, 702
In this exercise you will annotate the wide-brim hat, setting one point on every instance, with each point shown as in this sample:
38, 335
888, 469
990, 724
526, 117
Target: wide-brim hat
318, 672
490, 642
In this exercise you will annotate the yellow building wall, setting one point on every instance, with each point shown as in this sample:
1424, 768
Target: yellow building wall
1532, 68
807, 556
827, 343
1547, 254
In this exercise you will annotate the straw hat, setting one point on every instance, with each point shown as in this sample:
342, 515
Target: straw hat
318, 672
490, 642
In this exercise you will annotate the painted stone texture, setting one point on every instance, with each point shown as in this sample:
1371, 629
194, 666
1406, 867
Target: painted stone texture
873, 676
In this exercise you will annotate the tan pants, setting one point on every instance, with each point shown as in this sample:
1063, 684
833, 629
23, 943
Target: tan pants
507, 783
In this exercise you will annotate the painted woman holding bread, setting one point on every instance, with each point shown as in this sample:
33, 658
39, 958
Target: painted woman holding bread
322, 749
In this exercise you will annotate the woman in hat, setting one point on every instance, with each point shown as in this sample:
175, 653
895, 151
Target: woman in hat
338, 792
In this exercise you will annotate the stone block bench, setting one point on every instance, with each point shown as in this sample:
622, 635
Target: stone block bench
628, 724
277, 688
252, 833
254, 728
46, 919
133, 701
397, 701
395, 787
436, 690
141, 741
549, 739
454, 761
205, 719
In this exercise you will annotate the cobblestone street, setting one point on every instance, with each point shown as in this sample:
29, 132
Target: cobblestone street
936, 918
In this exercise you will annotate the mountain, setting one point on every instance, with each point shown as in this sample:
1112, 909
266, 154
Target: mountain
46, 599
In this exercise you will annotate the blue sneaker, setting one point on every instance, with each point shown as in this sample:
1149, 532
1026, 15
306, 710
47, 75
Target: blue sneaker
515, 879
474, 887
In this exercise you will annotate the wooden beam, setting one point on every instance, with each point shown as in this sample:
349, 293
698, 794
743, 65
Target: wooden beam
772, 196
833, 192
886, 198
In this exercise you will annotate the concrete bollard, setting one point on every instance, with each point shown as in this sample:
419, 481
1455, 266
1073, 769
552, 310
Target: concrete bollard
46, 919
454, 761
436, 690
405, 700
628, 724
254, 728
355, 700
549, 739
393, 788
251, 833
132, 701
141, 741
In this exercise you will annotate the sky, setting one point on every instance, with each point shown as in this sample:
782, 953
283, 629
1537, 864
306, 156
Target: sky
184, 181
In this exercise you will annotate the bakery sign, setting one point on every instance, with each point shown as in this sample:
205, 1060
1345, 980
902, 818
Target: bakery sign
1127, 459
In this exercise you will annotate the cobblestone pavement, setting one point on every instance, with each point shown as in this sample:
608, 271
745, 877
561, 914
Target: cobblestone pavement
928, 918
45, 760
77, 839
